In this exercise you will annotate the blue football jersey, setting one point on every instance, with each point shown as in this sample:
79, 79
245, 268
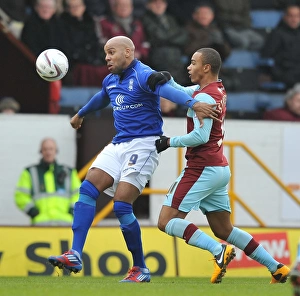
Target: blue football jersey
136, 109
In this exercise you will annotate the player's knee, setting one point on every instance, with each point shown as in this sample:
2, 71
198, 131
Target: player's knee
221, 233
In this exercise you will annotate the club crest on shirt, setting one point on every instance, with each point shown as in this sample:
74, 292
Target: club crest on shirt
130, 85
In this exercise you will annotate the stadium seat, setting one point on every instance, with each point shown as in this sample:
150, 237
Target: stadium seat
76, 96
268, 101
242, 102
265, 65
265, 19
250, 105
242, 59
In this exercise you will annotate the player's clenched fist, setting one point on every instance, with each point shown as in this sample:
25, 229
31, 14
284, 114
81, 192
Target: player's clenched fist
76, 121
162, 144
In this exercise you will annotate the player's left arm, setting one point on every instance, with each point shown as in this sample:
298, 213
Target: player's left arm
199, 135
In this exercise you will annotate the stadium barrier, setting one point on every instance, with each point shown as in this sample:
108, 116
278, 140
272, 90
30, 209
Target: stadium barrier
24, 252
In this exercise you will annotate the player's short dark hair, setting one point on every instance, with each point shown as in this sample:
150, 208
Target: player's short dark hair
212, 57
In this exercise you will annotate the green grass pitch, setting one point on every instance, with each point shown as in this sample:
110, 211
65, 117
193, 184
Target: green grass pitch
159, 286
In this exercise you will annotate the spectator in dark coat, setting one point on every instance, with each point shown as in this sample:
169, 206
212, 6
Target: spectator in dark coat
123, 22
204, 32
43, 29
83, 44
86, 55
97, 8
283, 46
183, 9
167, 40
233, 16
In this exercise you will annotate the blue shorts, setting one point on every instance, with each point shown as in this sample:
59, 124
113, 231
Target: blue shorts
203, 188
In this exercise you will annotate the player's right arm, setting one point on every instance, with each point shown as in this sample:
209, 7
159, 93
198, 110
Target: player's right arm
157, 83
99, 101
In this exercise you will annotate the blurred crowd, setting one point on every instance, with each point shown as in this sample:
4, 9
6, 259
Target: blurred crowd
165, 33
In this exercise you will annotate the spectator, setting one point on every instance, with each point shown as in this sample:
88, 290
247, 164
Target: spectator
283, 47
86, 56
122, 22
97, 8
139, 7
282, 4
166, 38
47, 191
182, 10
9, 105
233, 16
43, 29
204, 32
291, 109
13, 14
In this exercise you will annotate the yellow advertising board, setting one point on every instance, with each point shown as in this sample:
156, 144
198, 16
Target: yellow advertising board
24, 252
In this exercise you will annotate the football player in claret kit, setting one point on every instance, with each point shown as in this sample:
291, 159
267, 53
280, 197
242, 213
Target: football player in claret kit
295, 273
203, 183
124, 166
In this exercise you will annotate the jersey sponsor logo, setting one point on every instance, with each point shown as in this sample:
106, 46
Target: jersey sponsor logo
276, 245
121, 106
120, 99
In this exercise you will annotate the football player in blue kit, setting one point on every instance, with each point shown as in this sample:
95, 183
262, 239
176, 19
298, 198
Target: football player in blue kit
124, 166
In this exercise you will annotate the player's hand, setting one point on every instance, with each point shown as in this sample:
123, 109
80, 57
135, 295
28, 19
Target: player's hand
204, 110
162, 144
76, 121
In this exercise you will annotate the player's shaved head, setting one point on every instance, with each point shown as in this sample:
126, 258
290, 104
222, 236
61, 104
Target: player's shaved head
119, 53
121, 41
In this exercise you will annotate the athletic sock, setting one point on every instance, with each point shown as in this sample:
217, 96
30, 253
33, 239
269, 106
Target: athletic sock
84, 213
192, 235
263, 257
244, 241
83, 218
131, 232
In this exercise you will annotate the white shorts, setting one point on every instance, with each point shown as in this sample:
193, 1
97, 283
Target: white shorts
133, 162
